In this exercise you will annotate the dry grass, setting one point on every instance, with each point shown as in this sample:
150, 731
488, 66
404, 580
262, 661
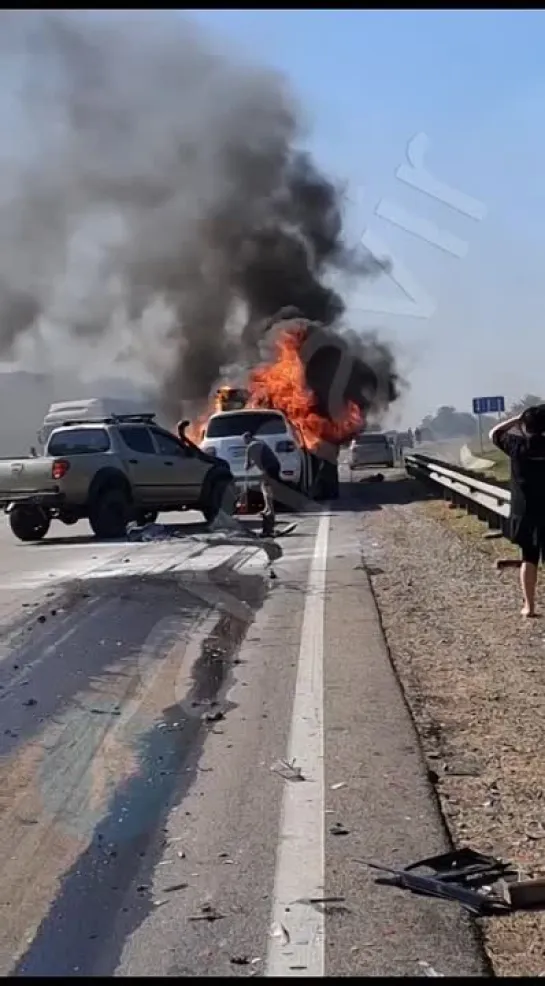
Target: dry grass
468, 526
500, 470
474, 675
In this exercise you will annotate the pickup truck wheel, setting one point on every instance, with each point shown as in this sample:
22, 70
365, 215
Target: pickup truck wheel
109, 514
29, 523
222, 495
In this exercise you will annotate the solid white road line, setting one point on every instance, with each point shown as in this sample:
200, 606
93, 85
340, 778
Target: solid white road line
300, 865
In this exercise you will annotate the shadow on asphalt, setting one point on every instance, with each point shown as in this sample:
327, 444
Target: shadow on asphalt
100, 902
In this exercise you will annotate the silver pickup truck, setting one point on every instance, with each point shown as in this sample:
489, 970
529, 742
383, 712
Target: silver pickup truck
111, 471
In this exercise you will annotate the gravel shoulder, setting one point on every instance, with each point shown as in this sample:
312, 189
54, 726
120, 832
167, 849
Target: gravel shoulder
474, 676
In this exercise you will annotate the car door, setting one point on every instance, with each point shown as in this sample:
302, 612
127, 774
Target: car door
183, 471
142, 463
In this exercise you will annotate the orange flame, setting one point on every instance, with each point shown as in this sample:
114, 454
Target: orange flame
281, 384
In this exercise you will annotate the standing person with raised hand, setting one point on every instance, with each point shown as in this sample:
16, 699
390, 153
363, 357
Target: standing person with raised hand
522, 438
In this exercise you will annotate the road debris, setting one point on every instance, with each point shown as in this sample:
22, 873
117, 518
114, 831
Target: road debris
240, 960
208, 913
30, 702
428, 970
174, 887
484, 885
339, 829
338, 785
280, 931
289, 771
377, 477
216, 716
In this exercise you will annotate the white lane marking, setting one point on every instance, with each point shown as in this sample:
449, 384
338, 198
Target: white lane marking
300, 864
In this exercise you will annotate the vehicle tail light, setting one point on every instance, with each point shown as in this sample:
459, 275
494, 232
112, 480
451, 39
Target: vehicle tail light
60, 468
285, 447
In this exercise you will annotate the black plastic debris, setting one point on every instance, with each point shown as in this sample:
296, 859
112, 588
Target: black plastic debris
339, 829
207, 913
213, 716
484, 885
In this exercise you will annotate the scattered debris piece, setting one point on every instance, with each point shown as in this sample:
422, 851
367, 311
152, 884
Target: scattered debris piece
208, 913
216, 716
339, 829
280, 931
428, 970
377, 477
240, 960
289, 771
175, 887
490, 536
42, 619
338, 785
484, 885
31, 701
502, 563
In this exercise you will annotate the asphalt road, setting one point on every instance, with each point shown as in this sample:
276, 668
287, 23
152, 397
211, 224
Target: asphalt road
152, 695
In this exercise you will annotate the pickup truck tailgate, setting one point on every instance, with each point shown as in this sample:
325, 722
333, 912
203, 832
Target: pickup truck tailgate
22, 476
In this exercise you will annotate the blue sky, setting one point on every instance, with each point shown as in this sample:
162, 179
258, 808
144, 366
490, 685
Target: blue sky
474, 83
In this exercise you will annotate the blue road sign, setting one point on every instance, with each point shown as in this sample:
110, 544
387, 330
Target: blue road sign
488, 405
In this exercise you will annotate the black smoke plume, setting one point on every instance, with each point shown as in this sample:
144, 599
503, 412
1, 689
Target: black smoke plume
156, 198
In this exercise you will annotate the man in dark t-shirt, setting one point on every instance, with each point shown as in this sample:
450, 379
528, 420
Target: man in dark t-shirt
523, 439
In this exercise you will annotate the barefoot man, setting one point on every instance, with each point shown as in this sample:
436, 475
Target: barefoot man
522, 438
259, 454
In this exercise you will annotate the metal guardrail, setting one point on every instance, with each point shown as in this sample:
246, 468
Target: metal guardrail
490, 502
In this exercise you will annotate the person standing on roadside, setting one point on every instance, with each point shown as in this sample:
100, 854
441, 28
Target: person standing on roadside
259, 454
522, 438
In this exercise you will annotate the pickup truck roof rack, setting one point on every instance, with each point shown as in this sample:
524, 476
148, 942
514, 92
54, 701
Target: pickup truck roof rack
110, 419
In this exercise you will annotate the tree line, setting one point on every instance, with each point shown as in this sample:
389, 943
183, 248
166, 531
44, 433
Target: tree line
447, 422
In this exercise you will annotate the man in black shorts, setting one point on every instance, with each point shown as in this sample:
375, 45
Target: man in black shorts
522, 438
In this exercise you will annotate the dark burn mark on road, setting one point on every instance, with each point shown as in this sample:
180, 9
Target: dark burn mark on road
107, 893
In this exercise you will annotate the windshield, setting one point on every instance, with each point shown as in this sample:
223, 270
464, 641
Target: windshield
78, 441
260, 423
371, 440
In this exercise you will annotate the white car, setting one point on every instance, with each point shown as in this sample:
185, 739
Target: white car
223, 437
370, 449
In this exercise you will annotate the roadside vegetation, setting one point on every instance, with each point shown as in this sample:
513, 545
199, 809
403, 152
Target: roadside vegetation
499, 472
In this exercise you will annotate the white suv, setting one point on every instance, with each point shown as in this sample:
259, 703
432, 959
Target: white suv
223, 437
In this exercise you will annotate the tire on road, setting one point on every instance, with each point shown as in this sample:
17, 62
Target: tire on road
109, 513
29, 523
222, 495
